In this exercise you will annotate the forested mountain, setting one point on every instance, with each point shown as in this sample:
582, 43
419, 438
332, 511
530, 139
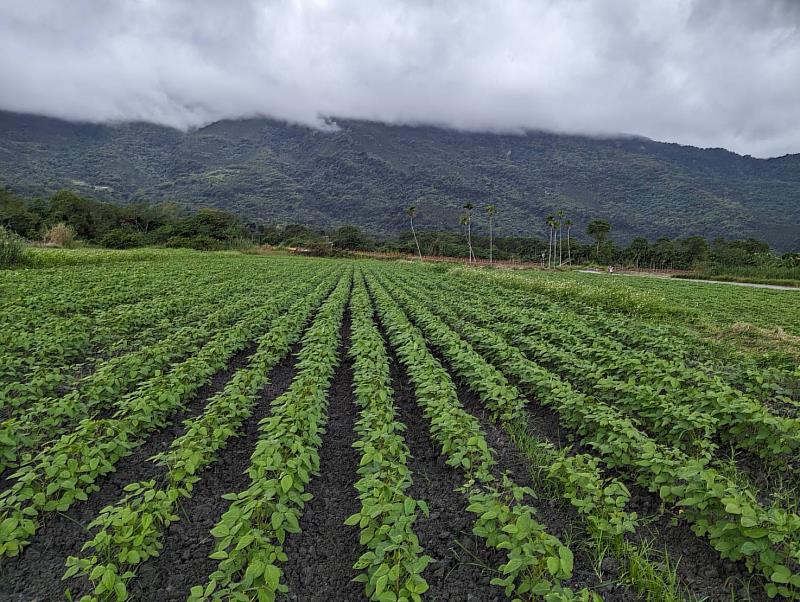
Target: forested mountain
365, 173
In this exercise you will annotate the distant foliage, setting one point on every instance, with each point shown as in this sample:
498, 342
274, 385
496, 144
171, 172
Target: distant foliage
201, 242
12, 249
119, 238
60, 235
67, 217
166, 224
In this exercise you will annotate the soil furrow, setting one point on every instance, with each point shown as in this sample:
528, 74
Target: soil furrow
559, 519
321, 557
35, 575
462, 567
184, 560
699, 566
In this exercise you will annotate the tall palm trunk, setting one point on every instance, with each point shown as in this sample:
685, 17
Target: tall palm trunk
491, 241
469, 241
569, 253
416, 242
560, 243
469, 253
549, 243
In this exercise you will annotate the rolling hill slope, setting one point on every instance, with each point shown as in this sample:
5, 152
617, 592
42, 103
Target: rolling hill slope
365, 173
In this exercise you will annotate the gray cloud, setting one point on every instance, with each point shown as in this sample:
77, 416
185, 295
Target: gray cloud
705, 72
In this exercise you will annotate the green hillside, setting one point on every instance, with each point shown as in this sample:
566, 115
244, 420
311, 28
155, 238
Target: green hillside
365, 173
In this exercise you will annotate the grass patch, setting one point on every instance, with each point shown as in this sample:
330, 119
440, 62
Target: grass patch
742, 279
46, 257
781, 275
609, 293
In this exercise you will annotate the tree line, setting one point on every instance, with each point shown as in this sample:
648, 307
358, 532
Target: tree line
562, 249
67, 216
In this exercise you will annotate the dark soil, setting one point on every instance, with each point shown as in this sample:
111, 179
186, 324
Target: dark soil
35, 575
771, 485
699, 567
462, 567
321, 556
184, 560
559, 519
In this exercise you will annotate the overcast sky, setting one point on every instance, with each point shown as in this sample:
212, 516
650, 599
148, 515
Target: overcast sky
706, 72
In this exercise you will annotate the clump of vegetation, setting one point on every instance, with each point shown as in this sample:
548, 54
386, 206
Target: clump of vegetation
119, 238
60, 235
67, 217
612, 295
200, 242
12, 249
762, 267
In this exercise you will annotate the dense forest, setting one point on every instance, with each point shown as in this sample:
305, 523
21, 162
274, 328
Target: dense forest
365, 174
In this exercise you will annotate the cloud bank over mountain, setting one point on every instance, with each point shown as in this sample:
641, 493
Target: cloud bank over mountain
707, 73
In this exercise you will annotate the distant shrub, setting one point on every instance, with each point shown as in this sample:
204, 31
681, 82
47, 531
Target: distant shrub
321, 249
12, 249
200, 242
60, 235
121, 239
241, 243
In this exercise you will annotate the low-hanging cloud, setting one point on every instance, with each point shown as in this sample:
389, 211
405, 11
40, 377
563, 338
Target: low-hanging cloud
705, 72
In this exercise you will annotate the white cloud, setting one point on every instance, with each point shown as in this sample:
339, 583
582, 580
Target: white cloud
709, 73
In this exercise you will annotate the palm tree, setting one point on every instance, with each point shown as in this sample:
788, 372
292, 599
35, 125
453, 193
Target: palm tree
560, 235
463, 221
490, 211
568, 224
551, 230
468, 207
411, 212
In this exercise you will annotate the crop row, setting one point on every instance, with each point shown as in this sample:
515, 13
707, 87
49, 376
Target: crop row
682, 405
132, 530
67, 470
124, 301
251, 532
575, 477
45, 360
394, 561
100, 391
657, 345
716, 507
30, 297
536, 562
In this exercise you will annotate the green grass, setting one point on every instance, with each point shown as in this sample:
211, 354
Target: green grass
608, 293
782, 276
742, 279
44, 257
719, 304
760, 322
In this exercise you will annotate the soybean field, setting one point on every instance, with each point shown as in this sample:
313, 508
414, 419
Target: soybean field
219, 426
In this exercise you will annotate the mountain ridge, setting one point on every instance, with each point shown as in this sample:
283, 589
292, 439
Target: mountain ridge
366, 173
